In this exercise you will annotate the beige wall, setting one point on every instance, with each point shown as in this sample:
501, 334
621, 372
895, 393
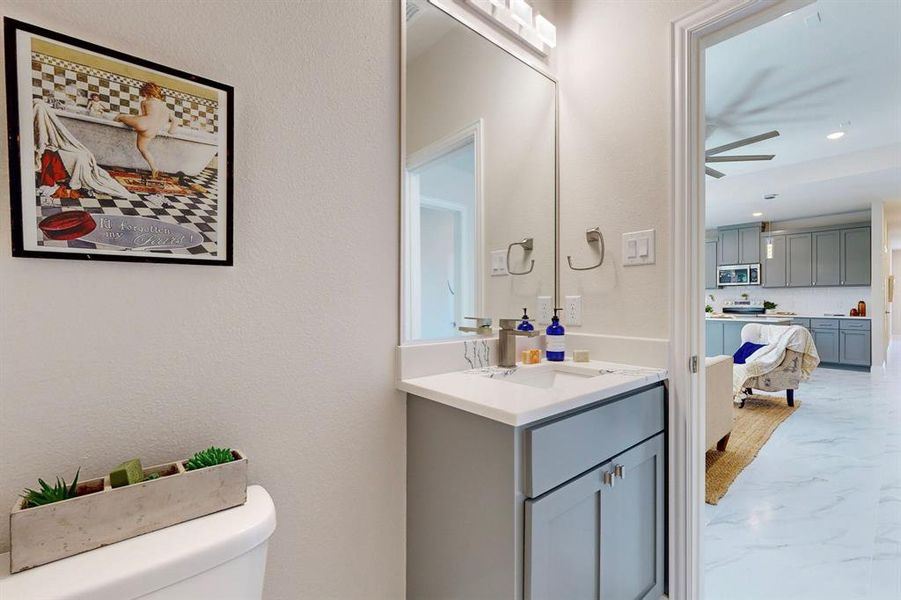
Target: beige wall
102, 362
613, 61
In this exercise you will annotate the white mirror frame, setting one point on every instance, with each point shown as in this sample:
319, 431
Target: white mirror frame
481, 27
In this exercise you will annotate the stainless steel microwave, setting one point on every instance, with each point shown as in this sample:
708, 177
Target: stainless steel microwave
738, 275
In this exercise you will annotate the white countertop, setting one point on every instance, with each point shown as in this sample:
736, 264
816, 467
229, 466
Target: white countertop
517, 404
775, 318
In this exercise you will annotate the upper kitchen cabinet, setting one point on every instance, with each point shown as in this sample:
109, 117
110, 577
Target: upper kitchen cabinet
710, 264
739, 245
855, 256
826, 258
773, 261
799, 260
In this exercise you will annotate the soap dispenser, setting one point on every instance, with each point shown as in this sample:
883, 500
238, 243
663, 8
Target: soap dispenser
525, 325
555, 348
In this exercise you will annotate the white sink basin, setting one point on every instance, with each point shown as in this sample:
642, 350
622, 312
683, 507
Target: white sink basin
547, 376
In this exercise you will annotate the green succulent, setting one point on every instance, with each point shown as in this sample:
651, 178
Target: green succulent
49, 494
209, 457
767, 305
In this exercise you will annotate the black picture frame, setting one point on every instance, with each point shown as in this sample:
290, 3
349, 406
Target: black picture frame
10, 28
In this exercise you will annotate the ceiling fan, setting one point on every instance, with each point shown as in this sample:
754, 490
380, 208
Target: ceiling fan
710, 156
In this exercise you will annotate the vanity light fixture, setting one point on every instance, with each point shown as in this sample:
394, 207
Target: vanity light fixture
520, 19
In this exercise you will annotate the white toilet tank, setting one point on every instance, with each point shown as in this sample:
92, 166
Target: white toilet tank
217, 557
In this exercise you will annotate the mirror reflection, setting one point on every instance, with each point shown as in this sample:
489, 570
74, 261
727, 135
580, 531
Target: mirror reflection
479, 190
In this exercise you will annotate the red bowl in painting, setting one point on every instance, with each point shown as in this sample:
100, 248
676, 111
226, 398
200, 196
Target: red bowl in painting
68, 225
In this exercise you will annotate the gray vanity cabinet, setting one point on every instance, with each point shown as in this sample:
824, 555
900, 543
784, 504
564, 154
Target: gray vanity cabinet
799, 260
826, 258
600, 535
774, 261
855, 256
710, 274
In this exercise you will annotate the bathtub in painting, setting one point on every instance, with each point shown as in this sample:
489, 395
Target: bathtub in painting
113, 144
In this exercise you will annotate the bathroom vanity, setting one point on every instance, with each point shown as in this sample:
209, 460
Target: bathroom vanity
547, 482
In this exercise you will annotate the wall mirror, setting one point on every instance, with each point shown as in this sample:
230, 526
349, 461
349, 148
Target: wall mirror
479, 188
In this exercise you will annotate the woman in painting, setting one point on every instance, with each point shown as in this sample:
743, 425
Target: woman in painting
155, 115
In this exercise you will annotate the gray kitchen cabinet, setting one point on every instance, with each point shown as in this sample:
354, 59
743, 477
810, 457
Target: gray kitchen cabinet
855, 346
799, 252
826, 258
773, 261
710, 275
714, 338
827, 344
600, 535
511, 512
855, 256
749, 245
732, 336
729, 247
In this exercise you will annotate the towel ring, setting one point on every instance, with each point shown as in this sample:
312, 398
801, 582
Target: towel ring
526, 244
592, 235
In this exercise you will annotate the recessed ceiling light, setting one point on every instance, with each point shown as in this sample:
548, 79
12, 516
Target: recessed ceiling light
835, 135
757, 214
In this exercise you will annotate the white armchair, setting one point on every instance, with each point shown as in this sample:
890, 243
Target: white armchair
798, 359
719, 401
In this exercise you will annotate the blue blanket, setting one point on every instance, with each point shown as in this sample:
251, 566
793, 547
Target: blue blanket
746, 350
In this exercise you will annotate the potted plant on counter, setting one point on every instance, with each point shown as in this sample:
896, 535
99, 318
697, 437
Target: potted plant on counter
52, 522
769, 307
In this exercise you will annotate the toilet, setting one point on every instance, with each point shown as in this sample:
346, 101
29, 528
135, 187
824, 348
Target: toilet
221, 556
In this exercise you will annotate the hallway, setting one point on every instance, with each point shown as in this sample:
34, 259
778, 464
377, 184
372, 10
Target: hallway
817, 514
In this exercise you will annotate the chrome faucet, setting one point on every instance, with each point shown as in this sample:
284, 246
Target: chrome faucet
483, 326
506, 341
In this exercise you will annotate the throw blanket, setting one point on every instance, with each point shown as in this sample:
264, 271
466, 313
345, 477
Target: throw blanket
778, 339
51, 134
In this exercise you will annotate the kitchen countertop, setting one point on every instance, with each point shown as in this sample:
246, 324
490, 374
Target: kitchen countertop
768, 318
519, 404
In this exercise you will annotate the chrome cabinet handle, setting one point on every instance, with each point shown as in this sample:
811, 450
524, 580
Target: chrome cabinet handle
619, 471
609, 478
527, 244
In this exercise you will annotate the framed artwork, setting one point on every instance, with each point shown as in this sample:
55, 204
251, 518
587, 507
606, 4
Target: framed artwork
113, 157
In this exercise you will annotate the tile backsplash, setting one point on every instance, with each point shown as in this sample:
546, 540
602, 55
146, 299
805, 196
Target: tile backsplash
804, 301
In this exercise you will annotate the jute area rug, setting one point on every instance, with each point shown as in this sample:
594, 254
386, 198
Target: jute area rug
753, 426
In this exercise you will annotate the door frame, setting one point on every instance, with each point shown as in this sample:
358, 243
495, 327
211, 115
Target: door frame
473, 133
690, 35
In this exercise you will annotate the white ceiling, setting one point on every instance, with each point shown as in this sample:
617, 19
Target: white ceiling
804, 74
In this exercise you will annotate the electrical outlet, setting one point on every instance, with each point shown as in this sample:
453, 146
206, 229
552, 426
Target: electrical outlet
499, 263
572, 310
545, 310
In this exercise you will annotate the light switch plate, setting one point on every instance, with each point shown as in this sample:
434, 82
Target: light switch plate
639, 248
545, 310
499, 263
572, 310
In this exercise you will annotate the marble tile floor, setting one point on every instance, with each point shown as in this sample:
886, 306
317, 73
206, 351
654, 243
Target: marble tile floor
817, 515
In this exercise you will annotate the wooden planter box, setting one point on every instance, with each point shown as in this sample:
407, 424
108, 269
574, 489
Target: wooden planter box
101, 515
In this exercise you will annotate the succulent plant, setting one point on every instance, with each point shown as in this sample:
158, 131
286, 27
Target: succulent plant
767, 305
49, 494
209, 457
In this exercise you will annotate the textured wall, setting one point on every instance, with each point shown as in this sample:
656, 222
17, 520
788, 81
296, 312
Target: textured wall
613, 61
102, 362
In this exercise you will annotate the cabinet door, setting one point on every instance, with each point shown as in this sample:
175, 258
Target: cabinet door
732, 337
714, 338
826, 258
749, 245
563, 528
710, 265
729, 247
855, 256
774, 261
827, 344
854, 347
800, 260
632, 527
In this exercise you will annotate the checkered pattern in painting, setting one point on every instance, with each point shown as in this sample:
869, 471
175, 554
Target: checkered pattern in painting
54, 78
197, 212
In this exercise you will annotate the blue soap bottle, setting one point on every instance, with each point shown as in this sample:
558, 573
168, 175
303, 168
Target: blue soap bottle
555, 343
525, 325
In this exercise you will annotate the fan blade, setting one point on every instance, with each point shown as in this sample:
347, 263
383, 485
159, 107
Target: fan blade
739, 158
744, 142
714, 172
